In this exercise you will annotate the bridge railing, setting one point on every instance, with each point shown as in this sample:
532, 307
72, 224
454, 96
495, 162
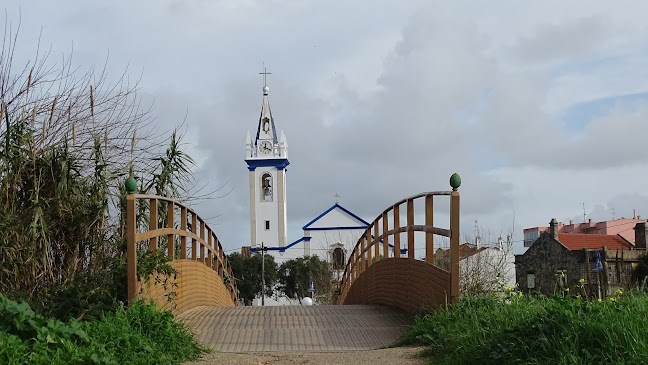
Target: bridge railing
378, 237
197, 240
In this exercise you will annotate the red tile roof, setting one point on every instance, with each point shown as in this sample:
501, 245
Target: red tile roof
465, 250
575, 241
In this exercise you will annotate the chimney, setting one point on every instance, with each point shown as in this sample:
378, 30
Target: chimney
553, 228
640, 235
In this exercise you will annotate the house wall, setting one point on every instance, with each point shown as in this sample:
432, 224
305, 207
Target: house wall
619, 268
546, 256
543, 259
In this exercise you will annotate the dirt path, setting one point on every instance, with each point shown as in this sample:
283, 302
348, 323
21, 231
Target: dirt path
398, 355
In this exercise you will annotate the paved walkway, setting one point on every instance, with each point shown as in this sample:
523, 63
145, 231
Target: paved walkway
325, 328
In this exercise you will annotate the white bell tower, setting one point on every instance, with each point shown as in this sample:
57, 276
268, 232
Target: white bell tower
267, 159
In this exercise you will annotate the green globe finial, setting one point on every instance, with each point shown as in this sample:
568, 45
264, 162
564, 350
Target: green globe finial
130, 183
455, 181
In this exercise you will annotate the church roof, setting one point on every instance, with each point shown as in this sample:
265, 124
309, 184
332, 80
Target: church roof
346, 218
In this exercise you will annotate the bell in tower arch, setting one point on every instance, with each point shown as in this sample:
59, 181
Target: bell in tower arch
266, 184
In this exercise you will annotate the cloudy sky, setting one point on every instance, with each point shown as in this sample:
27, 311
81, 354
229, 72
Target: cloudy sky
539, 107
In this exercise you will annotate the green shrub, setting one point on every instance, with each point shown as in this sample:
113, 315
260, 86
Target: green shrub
139, 334
536, 330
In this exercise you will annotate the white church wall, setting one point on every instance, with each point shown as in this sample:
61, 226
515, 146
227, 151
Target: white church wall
321, 241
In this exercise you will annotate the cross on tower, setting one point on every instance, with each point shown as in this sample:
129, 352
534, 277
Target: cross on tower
336, 197
264, 73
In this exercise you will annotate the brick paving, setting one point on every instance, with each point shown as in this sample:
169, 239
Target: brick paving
325, 328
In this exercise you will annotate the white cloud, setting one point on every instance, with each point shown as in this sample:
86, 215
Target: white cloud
381, 100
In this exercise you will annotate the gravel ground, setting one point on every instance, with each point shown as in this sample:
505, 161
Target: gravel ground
397, 355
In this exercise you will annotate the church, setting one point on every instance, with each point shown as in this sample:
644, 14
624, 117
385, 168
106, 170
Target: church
332, 235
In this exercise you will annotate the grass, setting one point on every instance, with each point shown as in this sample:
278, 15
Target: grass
518, 329
138, 334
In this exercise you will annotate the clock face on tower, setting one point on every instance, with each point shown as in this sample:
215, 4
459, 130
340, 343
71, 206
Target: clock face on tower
265, 147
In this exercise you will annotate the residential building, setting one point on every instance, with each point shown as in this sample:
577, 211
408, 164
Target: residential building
623, 227
585, 264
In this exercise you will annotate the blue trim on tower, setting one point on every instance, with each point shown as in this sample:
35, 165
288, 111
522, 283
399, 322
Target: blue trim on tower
279, 163
327, 211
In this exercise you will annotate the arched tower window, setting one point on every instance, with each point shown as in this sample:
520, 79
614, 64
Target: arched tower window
338, 259
266, 187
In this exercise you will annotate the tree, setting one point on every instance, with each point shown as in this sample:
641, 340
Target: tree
485, 265
247, 272
295, 276
67, 139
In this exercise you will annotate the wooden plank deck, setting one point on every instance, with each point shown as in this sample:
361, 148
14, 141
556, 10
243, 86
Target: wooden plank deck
325, 328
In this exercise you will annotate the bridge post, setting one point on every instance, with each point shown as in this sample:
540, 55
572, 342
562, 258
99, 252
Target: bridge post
170, 224
397, 247
410, 233
429, 236
153, 225
183, 226
194, 229
385, 221
376, 243
131, 251
363, 246
455, 182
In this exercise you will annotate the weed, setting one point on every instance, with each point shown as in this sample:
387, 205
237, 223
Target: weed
139, 334
489, 329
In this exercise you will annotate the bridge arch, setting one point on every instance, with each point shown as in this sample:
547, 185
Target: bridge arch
373, 276
204, 277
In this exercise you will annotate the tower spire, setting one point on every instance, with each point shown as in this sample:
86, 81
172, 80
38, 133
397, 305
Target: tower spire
266, 128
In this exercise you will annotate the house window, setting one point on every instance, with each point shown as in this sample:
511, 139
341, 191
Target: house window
266, 187
267, 225
530, 237
338, 259
531, 281
561, 278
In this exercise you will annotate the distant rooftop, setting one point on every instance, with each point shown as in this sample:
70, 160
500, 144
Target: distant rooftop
575, 241
623, 227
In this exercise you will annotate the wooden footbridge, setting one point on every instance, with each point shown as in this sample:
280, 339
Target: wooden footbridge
383, 284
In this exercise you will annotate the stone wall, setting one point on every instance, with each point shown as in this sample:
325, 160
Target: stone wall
546, 256
543, 259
